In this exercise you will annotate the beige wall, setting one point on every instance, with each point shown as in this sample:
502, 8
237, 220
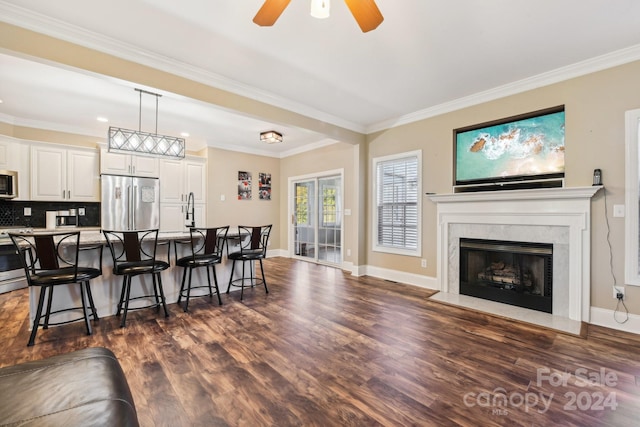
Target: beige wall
223, 167
595, 105
333, 157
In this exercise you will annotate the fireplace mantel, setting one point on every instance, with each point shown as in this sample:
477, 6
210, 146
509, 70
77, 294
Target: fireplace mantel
558, 215
564, 193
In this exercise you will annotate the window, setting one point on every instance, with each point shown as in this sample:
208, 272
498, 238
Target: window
397, 210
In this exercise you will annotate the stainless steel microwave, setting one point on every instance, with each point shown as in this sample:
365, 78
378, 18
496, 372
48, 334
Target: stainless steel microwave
8, 184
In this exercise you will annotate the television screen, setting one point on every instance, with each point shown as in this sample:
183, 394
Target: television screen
525, 147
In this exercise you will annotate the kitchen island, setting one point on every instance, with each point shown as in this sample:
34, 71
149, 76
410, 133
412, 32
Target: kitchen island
107, 287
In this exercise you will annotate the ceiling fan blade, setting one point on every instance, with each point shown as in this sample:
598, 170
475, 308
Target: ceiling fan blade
270, 12
366, 13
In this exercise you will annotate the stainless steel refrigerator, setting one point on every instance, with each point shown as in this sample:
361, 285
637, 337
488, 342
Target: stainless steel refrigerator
129, 203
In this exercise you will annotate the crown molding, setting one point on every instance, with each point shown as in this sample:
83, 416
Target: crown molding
55, 28
43, 24
599, 63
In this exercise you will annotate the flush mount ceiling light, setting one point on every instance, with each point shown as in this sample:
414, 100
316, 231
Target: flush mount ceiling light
270, 137
136, 141
365, 12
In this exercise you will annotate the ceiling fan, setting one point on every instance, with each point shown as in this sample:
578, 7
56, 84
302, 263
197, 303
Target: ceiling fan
365, 12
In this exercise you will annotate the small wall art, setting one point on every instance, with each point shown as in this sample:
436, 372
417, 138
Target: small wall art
244, 185
264, 186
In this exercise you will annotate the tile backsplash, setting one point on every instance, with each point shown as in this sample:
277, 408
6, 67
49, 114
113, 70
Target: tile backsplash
12, 213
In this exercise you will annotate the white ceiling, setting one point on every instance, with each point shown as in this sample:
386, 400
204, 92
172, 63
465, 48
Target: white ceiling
426, 57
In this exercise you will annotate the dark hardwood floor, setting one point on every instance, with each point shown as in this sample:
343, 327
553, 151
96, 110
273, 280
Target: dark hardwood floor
328, 349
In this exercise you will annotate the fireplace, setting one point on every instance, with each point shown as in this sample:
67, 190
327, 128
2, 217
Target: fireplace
516, 273
556, 216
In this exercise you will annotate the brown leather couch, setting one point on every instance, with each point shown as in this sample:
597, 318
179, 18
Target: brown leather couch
83, 388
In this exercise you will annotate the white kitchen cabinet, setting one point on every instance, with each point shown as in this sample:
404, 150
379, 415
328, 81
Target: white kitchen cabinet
173, 216
64, 174
8, 154
128, 164
180, 177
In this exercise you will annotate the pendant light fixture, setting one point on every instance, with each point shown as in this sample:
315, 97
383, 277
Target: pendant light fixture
136, 141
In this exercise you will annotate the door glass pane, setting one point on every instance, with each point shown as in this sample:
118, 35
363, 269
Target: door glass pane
304, 219
329, 219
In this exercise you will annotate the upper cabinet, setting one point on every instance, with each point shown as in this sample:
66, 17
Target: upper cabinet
128, 164
8, 157
64, 174
180, 177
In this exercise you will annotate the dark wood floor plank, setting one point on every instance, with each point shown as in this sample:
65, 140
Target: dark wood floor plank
324, 348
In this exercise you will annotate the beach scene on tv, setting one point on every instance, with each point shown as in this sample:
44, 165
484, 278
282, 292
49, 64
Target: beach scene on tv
523, 148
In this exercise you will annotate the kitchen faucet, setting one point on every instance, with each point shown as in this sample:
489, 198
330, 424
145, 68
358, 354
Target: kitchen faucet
190, 220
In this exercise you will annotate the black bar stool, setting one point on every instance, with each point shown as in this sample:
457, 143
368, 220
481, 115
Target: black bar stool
253, 247
134, 254
50, 260
206, 246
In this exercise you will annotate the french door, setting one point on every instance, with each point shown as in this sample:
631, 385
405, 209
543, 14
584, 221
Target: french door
317, 218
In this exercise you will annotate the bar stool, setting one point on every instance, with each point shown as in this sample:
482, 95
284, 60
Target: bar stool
206, 246
134, 254
253, 247
51, 260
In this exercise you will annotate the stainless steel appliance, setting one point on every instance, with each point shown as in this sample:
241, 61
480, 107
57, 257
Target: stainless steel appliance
129, 203
8, 184
12, 274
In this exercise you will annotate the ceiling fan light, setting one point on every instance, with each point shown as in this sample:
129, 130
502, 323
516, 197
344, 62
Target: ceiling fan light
320, 8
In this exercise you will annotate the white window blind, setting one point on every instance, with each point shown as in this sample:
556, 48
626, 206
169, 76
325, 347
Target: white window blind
398, 207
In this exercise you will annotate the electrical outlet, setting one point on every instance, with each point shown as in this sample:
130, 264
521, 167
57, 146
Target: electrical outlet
82, 211
424, 263
27, 211
348, 252
618, 290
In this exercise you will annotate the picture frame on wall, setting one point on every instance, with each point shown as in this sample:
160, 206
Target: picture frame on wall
264, 186
244, 185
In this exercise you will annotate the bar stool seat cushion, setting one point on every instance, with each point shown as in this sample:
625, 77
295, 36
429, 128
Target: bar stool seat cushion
64, 275
197, 260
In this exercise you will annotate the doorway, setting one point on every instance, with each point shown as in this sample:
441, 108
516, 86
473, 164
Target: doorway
317, 218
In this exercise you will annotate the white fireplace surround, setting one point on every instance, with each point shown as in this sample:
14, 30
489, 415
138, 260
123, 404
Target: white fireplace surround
561, 216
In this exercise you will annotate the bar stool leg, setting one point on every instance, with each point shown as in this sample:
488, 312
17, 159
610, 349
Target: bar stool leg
94, 312
233, 266
48, 313
264, 281
126, 301
209, 283
164, 304
36, 321
186, 303
122, 294
84, 297
215, 279
184, 276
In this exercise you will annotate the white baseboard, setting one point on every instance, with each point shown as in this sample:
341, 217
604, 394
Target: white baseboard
402, 277
605, 317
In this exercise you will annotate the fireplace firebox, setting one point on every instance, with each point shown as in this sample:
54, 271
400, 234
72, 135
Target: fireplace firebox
516, 273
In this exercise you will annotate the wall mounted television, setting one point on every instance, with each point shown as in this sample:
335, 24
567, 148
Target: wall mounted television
524, 151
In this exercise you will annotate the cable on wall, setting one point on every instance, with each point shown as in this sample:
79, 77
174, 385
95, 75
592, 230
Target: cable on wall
620, 304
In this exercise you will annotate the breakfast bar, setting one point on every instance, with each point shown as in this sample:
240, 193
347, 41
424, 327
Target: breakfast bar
107, 287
